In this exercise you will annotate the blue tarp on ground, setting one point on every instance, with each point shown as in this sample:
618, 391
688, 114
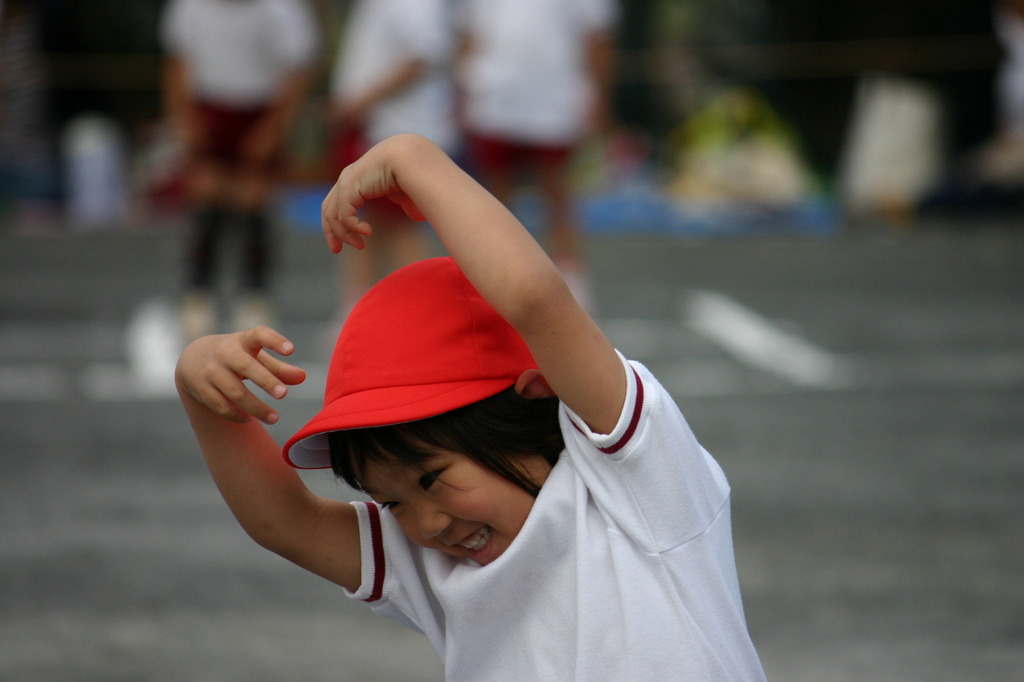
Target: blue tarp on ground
640, 211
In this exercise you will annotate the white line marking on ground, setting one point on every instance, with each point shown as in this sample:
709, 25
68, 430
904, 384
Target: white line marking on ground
151, 341
758, 342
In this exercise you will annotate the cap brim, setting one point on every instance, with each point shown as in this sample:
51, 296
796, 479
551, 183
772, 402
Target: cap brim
308, 449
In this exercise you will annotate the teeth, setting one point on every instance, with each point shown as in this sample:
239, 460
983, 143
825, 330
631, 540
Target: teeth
478, 540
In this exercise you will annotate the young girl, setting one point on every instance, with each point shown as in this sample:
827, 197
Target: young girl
529, 537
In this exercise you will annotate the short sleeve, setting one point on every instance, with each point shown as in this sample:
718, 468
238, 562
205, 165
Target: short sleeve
649, 476
393, 583
371, 552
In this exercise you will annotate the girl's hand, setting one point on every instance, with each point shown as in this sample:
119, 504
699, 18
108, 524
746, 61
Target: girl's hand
212, 370
371, 177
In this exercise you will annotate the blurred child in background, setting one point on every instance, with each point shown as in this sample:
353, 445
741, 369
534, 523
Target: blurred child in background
235, 74
392, 75
534, 79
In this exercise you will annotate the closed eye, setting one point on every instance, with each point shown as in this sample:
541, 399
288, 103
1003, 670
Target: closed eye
428, 479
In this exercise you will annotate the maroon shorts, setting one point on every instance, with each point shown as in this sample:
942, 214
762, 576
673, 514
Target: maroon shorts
348, 143
225, 130
489, 154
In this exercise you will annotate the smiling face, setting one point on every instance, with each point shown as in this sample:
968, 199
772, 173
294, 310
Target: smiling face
455, 505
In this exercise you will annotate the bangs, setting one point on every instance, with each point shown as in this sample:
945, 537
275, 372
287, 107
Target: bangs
496, 432
352, 449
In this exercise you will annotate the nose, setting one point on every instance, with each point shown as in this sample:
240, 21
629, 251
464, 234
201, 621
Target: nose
431, 522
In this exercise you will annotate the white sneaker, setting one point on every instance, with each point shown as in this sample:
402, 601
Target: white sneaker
252, 312
198, 317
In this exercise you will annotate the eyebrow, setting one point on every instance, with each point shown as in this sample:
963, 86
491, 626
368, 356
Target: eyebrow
422, 470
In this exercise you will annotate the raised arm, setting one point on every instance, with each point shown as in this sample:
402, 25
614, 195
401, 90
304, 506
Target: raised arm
497, 254
350, 108
267, 497
177, 100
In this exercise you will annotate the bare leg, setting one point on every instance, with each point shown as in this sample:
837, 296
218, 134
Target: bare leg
207, 190
564, 241
554, 185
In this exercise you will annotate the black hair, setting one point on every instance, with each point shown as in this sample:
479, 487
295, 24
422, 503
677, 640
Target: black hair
495, 432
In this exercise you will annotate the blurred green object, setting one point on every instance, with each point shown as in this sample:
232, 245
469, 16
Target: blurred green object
738, 149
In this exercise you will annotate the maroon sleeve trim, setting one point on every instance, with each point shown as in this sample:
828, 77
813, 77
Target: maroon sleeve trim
377, 538
634, 420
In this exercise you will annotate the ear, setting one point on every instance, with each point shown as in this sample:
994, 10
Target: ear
532, 384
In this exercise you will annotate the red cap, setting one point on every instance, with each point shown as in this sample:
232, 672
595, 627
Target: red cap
420, 343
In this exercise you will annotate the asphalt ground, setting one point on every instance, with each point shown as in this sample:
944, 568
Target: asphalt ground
864, 393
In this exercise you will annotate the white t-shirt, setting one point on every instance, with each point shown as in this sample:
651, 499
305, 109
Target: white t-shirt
238, 51
624, 569
379, 36
526, 79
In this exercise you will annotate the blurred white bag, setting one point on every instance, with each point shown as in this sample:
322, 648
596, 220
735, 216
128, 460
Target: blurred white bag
894, 148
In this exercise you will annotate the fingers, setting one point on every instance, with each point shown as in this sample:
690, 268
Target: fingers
232, 399
219, 367
340, 224
263, 370
261, 337
351, 231
330, 221
288, 374
356, 232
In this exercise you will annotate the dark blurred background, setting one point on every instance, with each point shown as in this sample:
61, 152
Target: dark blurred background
804, 56
819, 151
